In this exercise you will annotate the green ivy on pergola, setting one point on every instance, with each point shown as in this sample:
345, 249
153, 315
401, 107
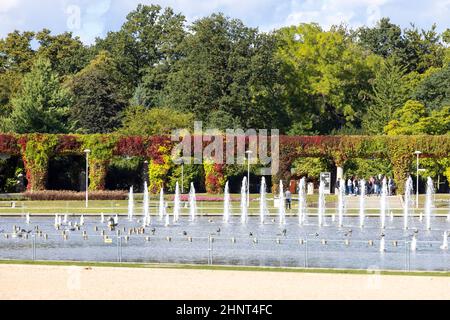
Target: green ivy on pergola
36, 150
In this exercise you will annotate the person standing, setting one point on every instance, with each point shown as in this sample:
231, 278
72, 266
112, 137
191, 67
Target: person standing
288, 196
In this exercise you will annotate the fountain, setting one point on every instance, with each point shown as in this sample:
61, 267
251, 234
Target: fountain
244, 206
116, 219
82, 220
192, 203
226, 204
65, 218
383, 203
445, 241
27, 218
263, 201
177, 204
362, 215
282, 208
130, 205
382, 245
408, 193
146, 208
429, 203
166, 215
102, 218
341, 202
302, 201
321, 208
161, 204
414, 243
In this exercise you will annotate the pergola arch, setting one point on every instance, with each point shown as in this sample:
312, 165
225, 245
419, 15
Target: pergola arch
37, 149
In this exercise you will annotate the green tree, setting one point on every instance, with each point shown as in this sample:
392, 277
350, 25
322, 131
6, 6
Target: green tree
42, 104
67, 54
98, 100
434, 90
326, 75
229, 68
390, 92
413, 118
148, 39
16, 53
140, 120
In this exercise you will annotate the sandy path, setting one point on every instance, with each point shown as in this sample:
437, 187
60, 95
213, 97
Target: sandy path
51, 282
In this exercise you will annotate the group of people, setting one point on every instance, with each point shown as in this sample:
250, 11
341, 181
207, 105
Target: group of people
374, 185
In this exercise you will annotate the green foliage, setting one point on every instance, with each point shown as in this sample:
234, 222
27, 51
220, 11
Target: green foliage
228, 68
366, 168
311, 167
192, 174
16, 53
434, 90
157, 121
326, 74
41, 105
98, 99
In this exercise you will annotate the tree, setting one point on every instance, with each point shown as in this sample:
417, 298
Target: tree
390, 92
67, 54
326, 75
139, 120
413, 118
229, 68
98, 100
16, 53
41, 105
149, 38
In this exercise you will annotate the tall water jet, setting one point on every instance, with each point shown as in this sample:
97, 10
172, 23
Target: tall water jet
429, 203
56, 220
192, 204
341, 202
66, 218
382, 245
362, 209
162, 204
282, 208
226, 204
244, 207
102, 218
27, 218
167, 218
383, 203
263, 201
116, 219
445, 241
302, 201
82, 220
177, 204
146, 208
408, 193
414, 243
130, 204
321, 207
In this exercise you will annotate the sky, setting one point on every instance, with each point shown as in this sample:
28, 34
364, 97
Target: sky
89, 19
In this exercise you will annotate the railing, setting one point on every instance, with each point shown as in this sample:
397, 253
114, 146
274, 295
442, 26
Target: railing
215, 250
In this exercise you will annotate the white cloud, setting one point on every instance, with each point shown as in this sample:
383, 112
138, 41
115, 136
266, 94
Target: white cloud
6, 5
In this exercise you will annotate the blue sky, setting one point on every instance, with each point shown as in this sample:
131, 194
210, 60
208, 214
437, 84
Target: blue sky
91, 18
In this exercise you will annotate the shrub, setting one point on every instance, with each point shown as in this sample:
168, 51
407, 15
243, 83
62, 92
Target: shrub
75, 196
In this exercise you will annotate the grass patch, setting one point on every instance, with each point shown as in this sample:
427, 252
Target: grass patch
223, 268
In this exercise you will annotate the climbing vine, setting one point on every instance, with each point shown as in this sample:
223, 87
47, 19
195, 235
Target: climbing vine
214, 177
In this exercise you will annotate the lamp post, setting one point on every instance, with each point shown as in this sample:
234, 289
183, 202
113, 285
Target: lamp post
417, 153
87, 151
249, 153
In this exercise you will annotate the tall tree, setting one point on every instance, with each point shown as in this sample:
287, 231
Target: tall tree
390, 92
327, 74
229, 69
149, 38
67, 54
41, 105
98, 99
434, 90
16, 53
